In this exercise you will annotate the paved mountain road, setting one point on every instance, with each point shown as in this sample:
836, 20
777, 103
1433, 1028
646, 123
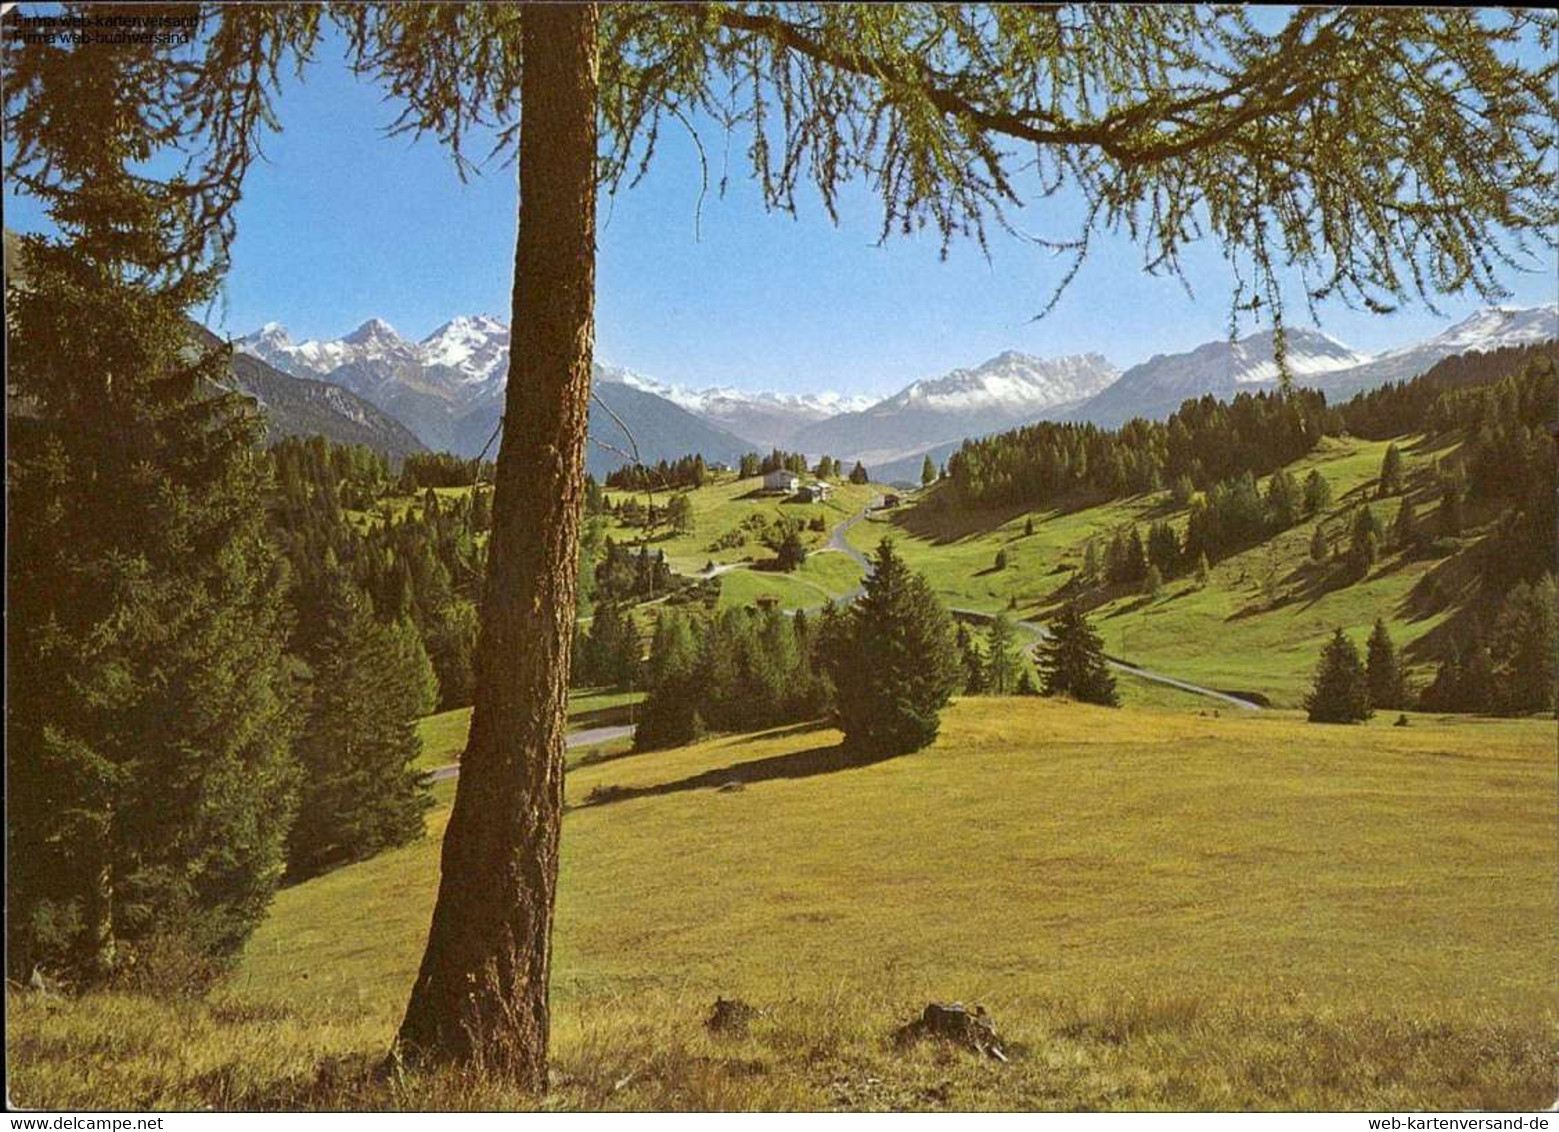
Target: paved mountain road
586, 738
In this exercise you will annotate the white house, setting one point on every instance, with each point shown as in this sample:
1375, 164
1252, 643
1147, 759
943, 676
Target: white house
781, 480
816, 492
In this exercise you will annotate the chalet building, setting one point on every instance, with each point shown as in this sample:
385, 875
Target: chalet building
816, 492
782, 480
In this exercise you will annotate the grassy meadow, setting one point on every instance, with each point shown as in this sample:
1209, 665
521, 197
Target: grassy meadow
1161, 908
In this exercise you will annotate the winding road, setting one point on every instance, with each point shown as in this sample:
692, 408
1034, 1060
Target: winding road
586, 738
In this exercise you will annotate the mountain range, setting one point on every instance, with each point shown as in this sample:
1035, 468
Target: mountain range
448, 390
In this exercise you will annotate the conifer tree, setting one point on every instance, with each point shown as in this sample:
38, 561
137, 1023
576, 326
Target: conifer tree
1072, 661
1318, 545
896, 664
974, 674
1384, 669
1318, 493
1153, 584
1444, 691
1523, 643
1478, 688
150, 779
361, 791
1028, 527
1391, 472
1091, 567
414, 657
1001, 559
1002, 660
670, 717
858, 474
679, 513
1404, 528
792, 554
1451, 516
1342, 692
927, 473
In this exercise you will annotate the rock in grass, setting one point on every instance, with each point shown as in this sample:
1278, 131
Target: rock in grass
731, 1016
974, 1030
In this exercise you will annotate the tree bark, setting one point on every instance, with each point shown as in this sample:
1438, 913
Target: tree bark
481, 995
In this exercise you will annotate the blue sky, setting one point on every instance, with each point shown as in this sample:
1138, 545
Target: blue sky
343, 223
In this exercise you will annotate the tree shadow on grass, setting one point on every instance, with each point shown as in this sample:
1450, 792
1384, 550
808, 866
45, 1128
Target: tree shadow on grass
795, 764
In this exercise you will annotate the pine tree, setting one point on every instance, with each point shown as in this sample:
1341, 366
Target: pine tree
1364, 548
975, 679
1134, 566
1524, 639
858, 474
679, 513
896, 665
1318, 544
1153, 584
1451, 516
361, 792
1391, 472
1028, 527
1164, 549
1445, 690
1090, 571
792, 554
927, 473
1404, 529
1478, 688
1342, 692
414, 657
670, 717
1318, 493
1072, 660
1001, 559
1001, 651
150, 778
1387, 688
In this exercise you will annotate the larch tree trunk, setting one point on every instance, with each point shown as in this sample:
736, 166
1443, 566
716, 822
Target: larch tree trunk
481, 994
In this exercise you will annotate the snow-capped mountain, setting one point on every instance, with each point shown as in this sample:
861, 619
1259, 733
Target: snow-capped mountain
476, 348
1490, 329
1006, 391
770, 419
1155, 388
463, 352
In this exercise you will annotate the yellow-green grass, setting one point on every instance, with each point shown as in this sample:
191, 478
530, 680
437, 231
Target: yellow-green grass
823, 577
1258, 625
444, 734
1161, 910
725, 503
